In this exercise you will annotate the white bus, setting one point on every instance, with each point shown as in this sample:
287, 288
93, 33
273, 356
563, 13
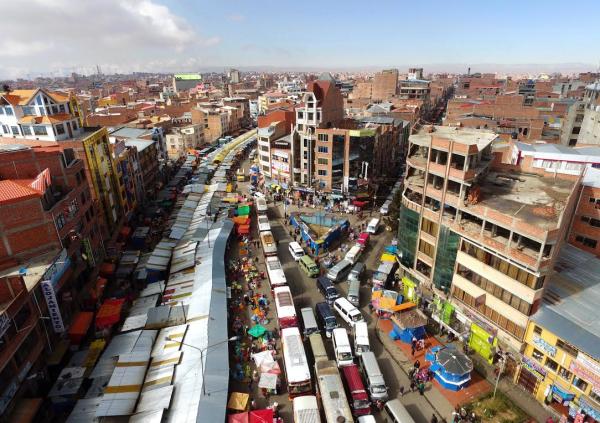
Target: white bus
284, 305
306, 409
268, 243
275, 272
296, 368
332, 392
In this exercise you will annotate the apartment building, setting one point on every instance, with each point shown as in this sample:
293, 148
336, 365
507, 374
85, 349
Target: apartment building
186, 81
585, 230
414, 89
560, 364
480, 234
181, 139
385, 84
322, 107
590, 126
39, 114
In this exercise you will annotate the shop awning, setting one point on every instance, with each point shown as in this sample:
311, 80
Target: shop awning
109, 313
243, 229
26, 409
79, 327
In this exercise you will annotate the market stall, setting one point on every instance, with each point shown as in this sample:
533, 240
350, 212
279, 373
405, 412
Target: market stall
408, 325
80, 326
109, 313
452, 368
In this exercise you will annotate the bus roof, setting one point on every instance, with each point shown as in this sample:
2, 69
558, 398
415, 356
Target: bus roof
294, 357
332, 391
284, 302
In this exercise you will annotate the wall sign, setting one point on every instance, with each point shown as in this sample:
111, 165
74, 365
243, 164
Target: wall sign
585, 368
533, 367
53, 309
544, 346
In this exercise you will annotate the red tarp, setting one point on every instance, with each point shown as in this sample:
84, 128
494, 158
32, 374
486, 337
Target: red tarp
360, 203
107, 269
109, 313
243, 229
79, 327
254, 416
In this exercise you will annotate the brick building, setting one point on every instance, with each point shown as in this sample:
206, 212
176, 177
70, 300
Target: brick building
385, 84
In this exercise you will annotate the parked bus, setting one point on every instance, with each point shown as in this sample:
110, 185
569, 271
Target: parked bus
284, 304
332, 394
268, 243
359, 399
306, 409
296, 368
275, 272
263, 223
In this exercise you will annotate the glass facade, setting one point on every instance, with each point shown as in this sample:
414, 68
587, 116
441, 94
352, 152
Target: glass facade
448, 242
407, 236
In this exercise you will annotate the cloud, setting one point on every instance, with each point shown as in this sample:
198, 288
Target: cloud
124, 34
236, 18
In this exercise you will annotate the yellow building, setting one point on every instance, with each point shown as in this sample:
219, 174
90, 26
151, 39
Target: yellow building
560, 365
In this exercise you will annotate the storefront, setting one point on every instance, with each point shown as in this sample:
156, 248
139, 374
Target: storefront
483, 341
531, 375
583, 408
409, 290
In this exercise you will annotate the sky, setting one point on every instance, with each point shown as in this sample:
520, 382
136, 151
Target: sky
54, 37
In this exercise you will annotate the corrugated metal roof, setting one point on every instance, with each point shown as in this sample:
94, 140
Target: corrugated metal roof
11, 191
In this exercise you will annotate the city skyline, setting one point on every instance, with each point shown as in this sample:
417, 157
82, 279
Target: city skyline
176, 35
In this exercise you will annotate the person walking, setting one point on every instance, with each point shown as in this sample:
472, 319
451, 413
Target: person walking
434, 419
413, 346
417, 365
413, 385
401, 390
421, 387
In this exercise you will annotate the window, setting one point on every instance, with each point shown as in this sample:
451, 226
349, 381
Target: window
323, 137
40, 130
61, 108
551, 364
591, 221
322, 161
75, 125
564, 373
566, 347
26, 130
595, 396
580, 384
426, 248
588, 242
538, 355
15, 130
1, 110
323, 149
300, 115
5, 129
305, 142
28, 110
60, 129
322, 172
537, 330
9, 111
264, 148
311, 116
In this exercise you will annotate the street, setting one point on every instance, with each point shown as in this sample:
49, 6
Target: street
306, 294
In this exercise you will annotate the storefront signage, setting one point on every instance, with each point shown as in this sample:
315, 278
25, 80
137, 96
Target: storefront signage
585, 368
280, 166
58, 268
4, 323
588, 409
533, 367
53, 309
544, 346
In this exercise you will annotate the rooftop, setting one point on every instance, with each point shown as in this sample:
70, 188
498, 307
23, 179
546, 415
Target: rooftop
141, 145
532, 198
570, 307
33, 269
468, 136
127, 132
549, 150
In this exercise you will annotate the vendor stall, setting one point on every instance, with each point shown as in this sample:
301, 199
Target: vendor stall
79, 327
109, 313
452, 368
408, 325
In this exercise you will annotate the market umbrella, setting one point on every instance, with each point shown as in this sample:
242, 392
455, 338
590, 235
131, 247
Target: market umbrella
454, 361
257, 331
261, 416
268, 381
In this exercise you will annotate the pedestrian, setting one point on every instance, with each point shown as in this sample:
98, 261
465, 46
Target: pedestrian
412, 385
255, 376
434, 419
412, 349
401, 389
417, 364
421, 388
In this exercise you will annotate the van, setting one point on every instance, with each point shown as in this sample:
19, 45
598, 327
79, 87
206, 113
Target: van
339, 271
309, 321
317, 347
341, 347
373, 226
361, 338
327, 289
357, 271
263, 223
347, 311
353, 292
354, 253
326, 318
373, 376
306, 409
295, 250
309, 266
385, 208
261, 206
395, 412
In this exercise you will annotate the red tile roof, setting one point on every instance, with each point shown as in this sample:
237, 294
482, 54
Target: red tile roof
10, 191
